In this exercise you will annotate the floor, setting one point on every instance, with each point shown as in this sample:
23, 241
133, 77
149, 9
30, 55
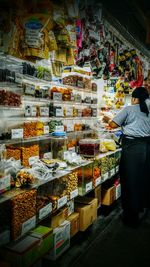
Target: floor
109, 243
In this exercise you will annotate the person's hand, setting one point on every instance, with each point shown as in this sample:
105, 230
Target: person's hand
106, 118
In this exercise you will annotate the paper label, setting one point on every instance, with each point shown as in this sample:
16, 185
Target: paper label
46, 129
73, 149
57, 96
105, 176
33, 111
44, 111
69, 112
98, 181
28, 225
59, 112
61, 202
33, 159
112, 172
5, 182
117, 168
88, 187
45, 211
16, 133
18, 78
59, 128
74, 194
30, 89
118, 191
47, 155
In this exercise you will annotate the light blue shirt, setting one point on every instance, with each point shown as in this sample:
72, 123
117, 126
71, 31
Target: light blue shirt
133, 122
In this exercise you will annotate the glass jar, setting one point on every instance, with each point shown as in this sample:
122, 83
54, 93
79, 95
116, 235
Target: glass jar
59, 146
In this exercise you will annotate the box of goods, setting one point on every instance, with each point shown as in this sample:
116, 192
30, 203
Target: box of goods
56, 93
108, 195
43, 207
13, 152
31, 111
44, 111
28, 153
67, 94
61, 243
55, 111
8, 98
5, 182
58, 147
94, 87
96, 173
97, 194
94, 101
87, 83
87, 100
23, 213
85, 178
104, 165
74, 223
23, 252
80, 82
45, 235
55, 126
71, 181
58, 218
87, 209
89, 147
94, 112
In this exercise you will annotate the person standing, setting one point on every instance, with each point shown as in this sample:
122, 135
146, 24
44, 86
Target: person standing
135, 157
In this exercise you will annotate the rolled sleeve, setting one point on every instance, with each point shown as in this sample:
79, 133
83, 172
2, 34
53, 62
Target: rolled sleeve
121, 117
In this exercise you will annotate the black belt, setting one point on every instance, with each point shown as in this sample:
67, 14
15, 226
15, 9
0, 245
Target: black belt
142, 138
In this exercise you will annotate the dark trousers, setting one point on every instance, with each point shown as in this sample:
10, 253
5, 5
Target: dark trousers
135, 174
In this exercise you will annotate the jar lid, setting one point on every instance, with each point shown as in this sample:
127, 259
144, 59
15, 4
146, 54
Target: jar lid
89, 141
57, 134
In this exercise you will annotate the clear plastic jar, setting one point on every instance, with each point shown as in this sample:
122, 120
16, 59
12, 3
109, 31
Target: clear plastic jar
89, 147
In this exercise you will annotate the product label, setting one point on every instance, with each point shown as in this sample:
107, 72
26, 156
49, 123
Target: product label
118, 191
59, 128
98, 181
112, 172
59, 112
73, 149
117, 168
69, 112
61, 202
28, 225
47, 155
45, 211
5, 182
74, 194
33, 159
105, 176
88, 187
44, 111
18, 78
33, 111
30, 89
16, 133
46, 129
57, 96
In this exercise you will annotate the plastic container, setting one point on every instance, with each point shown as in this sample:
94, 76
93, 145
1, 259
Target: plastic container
58, 146
89, 147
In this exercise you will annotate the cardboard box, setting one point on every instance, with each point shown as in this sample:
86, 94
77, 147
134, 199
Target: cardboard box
22, 253
87, 209
45, 236
74, 223
97, 194
108, 195
58, 218
61, 237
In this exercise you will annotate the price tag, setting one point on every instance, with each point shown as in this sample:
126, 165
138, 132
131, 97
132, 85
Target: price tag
44, 111
18, 78
61, 202
105, 176
73, 149
59, 128
33, 111
46, 129
69, 112
59, 112
47, 155
57, 96
98, 181
117, 168
112, 172
33, 159
74, 194
118, 191
5, 183
4, 237
45, 211
88, 187
16, 133
28, 225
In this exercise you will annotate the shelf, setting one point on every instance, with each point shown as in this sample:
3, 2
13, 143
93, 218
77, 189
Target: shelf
39, 138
